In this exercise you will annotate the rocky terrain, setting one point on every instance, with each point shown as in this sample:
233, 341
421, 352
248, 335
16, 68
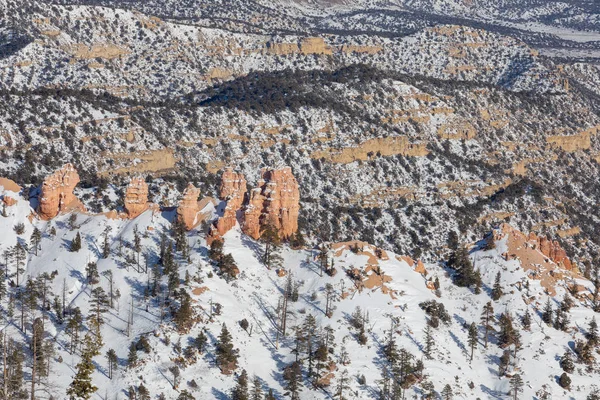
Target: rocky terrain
368, 131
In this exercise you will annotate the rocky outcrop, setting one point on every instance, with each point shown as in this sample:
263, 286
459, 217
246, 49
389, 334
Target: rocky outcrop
551, 249
136, 197
57, 193
275, 202
232, 191
233, 188
188, 208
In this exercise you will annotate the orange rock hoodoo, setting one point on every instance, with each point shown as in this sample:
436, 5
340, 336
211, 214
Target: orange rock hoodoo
232, 190
274, 202
136, 197
187, 211
551, 249
57, 192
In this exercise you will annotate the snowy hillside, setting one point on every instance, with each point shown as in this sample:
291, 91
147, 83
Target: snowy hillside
387, 290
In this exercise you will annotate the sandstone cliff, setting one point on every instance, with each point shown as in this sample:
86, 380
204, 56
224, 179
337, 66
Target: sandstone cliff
231, 190
57, 193
136, 197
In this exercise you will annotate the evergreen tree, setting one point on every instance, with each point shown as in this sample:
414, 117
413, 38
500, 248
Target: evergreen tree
504, 363
516, 384
343, 385
200, 342
132, 356
113, 362
472, 338
106, 243
592, 333
226, 355
74, 327
19, 254
465, 273
82, 386
497, 288
185, 395
595, 395
143, 393
566, 362
98, 306
548, 312
36, 239
76, 243
447, 392
293, 378
564, 381
257, 393
184, 316
272, 241
429, 342
240, 392
487, 319
526, 320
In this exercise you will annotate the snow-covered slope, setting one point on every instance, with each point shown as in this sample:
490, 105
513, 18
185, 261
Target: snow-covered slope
255, 295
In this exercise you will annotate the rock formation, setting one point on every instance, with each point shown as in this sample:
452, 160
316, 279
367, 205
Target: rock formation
274, 202
136, 197
57, 192
187, 211
232, 190
551, 249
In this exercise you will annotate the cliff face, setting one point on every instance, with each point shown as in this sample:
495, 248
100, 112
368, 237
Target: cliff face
57, 192
136, 197
274, 202
187, 211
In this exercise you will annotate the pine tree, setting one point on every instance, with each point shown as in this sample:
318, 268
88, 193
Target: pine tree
106, 242
76, 243
504, 362
19, 254
113, 362
472, 338
343, 385
200, 342
566, 362
592, 333
98, 306
272, 241
526, 320
595, 395
564, 381
429, 342
82, 386
270, 395
548, 312
36, 239
143, 393
240, 392
497, 288
257, 393
487, 319
184, 316
132, 356
516, 384
293, 378
74, 327
226, 355
447, 393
